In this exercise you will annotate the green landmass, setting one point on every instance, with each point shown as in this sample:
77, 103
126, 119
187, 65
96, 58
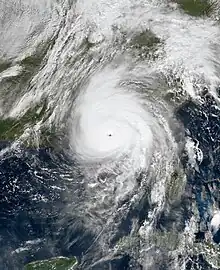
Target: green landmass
197, 7
12, 128
175, 186
4, 64
146, 39
145, 44
12, 87
58, 263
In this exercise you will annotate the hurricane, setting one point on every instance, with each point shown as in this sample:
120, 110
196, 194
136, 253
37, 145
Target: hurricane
120, 136
109, 134
115, 122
